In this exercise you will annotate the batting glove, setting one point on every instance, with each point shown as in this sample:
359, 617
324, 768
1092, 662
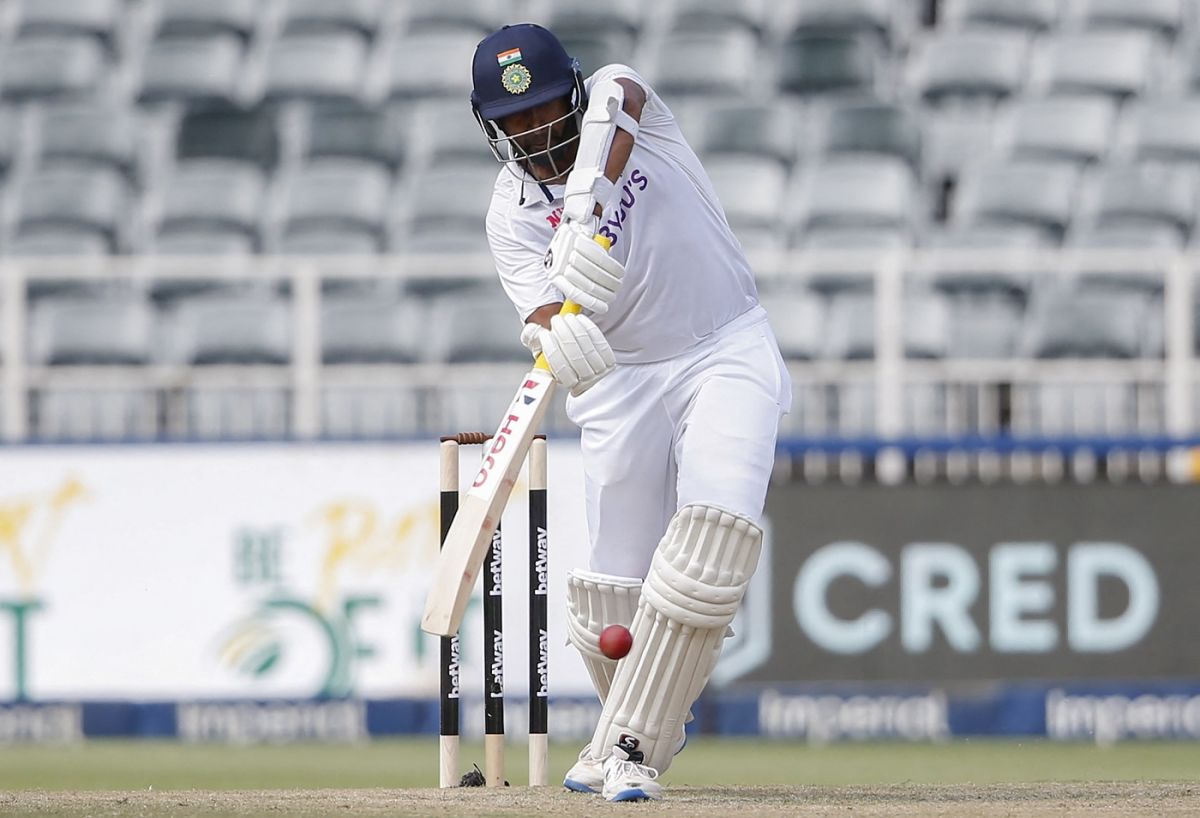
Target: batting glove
581, 269
576, 351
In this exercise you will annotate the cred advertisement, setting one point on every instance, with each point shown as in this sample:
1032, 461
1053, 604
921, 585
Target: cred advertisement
974, 583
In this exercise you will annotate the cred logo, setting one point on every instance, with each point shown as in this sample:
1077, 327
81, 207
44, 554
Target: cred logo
1015, 589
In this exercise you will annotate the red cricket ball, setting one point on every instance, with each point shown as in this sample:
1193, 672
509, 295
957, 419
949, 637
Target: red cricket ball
615, 641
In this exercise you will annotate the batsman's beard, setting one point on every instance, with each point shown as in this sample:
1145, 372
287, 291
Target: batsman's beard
551, 159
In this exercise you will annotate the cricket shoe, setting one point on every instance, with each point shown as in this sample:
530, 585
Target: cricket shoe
588, 773
626, 778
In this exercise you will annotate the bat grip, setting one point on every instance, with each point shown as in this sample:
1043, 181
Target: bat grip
569, 307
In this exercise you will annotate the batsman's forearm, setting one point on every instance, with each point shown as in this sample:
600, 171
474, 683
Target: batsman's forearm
543, 314
618, 155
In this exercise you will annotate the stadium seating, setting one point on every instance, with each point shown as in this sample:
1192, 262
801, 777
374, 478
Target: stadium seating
870, 246
844, 16
87, 200
47, 67
1035, 194
850, 326
1070, 129
749, 189
216, 195
713, 63
492, 320
596, 49
573, 16
868, 191
800, 337
479, 16
766, 129
872, 128
232, 330
344, 195
1162, 17
1116, 64
1143, 195
358, 330
199, 70
432, 64
1002, 243
1166, 130
444, 207
318, 66
208, 17
447, 134
330, 240
957, 66
227, 132
199, 251
116, 329
201, 242
1032, 15
816, 63
100, 19
361, 17
355, 132
1067, 321
58, 243
88, 133
982, 325
202, 133
707, 15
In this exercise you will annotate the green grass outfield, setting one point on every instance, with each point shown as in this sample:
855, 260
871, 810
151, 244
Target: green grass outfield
138, 765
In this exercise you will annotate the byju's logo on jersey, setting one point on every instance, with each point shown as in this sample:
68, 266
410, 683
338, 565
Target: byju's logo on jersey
615, 224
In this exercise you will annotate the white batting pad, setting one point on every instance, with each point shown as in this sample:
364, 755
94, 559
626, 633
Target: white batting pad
696, 582
595, 601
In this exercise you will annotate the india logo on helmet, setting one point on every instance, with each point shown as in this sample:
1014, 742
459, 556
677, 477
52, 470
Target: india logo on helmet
516, 79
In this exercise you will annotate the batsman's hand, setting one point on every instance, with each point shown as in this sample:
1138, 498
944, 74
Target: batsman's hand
576, 350
581, 269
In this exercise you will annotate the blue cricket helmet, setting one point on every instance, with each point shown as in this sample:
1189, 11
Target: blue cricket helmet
520, 67
517, 68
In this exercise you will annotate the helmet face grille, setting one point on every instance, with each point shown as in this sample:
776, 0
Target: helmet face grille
515, 69
541, 150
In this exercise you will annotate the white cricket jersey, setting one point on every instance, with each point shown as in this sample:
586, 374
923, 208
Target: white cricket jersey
685, 273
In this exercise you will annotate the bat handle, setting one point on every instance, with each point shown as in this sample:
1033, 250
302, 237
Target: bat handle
569, 307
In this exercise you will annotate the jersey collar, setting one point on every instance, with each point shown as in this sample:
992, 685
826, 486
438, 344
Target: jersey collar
535, 192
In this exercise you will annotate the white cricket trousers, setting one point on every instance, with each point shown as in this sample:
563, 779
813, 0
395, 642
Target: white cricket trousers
698, 428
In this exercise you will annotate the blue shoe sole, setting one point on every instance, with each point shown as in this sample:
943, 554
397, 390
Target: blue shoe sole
630, 795
575, 786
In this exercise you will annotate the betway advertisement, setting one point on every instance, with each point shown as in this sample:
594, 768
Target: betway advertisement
254, 572
964, 584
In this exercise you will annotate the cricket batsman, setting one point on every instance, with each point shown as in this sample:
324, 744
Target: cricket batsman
675, 377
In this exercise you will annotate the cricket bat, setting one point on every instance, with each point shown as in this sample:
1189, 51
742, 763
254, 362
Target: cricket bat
461, 557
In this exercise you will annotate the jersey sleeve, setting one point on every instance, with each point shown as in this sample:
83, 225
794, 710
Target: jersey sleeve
518, 257
654, 112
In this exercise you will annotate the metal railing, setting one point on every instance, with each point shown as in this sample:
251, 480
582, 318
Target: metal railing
888, 396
